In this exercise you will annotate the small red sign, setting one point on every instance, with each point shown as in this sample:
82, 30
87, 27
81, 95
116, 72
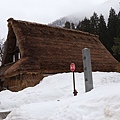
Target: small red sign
72, 67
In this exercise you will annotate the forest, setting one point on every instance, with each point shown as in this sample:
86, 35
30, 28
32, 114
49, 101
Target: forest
107, 30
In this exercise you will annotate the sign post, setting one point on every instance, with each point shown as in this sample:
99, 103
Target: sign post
72, 68
87, 69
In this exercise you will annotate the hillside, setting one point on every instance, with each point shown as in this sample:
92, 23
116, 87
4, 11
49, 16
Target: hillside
103, 8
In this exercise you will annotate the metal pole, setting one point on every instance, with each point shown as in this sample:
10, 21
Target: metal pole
75, 91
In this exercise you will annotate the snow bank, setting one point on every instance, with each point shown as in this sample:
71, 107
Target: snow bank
53, 99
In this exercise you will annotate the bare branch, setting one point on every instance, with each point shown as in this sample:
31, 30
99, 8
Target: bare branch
1, 48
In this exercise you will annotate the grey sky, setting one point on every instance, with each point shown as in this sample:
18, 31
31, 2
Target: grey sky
41, 11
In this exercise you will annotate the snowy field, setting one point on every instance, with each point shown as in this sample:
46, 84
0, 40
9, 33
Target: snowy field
53, 99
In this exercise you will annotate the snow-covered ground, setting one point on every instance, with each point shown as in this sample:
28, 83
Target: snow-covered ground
53, 99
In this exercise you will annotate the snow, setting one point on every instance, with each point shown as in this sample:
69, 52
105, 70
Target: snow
53, 99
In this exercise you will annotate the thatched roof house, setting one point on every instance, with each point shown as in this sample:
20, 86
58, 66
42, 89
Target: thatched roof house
33, 49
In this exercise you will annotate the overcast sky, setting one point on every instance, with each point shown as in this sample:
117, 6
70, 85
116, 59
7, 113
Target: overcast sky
41, 11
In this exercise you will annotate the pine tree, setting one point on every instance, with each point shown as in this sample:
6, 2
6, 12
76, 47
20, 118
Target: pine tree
118, 26
72, 26
116, 48
103, 32
112, 26
78, 26
85, 25
67, 25
94, 21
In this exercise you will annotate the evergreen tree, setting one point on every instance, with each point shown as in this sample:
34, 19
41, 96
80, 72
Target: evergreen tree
116, 48
103, 32
112, 26
72, 26
94, 21
85, 25
118, 25
67, 25
78, 26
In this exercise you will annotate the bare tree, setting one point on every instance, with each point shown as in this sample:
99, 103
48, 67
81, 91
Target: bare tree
1, 49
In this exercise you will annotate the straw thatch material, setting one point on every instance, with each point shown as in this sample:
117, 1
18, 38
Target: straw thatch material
47, 50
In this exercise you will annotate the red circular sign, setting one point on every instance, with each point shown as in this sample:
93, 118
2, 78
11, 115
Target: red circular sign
72, 67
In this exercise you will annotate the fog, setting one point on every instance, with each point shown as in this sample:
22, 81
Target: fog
41, 11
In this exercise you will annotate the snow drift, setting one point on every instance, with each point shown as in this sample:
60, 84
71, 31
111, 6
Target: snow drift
53, 99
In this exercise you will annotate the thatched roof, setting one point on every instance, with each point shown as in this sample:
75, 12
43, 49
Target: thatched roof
47, 49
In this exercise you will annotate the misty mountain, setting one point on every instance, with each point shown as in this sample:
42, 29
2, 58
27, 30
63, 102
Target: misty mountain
103, 9
61, 22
